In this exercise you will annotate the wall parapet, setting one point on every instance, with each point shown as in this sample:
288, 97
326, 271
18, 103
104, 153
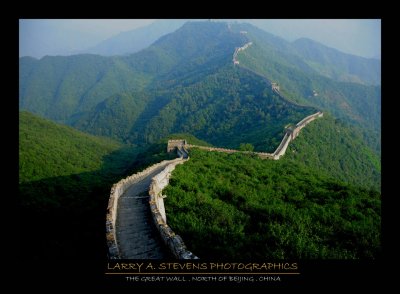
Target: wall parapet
171, 240
116, 191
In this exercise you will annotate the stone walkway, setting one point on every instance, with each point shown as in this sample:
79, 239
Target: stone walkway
137, 235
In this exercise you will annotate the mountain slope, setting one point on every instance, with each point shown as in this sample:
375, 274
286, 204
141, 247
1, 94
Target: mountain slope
114, 116
65, 177
337, 149
59, 87
322, 200
355, 103
311, 56
48, 150
235, 207
197, 55
197, 90
337, 65
194, 45
227, 107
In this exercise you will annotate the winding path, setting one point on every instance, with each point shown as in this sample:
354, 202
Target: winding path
136, 233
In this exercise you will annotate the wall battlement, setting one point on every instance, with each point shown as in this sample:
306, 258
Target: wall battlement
174, 242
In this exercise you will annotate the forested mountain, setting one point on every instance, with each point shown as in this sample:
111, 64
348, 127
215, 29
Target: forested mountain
334, 64
189, 73
309, 56
73, 89
278, 60
62, 87
59, 87
226, 108
186, 82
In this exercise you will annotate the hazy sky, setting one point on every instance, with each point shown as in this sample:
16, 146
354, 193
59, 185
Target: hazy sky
104, 28
355, 36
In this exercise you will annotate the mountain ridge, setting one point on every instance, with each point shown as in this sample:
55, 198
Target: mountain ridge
338, 65
177, 62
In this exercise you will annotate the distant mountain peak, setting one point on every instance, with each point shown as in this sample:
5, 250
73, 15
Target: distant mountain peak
132, 41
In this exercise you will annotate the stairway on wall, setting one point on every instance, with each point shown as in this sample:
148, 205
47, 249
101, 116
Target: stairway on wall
137, 235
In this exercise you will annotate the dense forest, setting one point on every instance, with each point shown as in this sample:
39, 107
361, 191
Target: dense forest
239, 207
227, 107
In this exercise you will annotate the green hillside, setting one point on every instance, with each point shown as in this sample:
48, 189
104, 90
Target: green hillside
337, 65
51, 150
320, 200
312, 57
65, 181
226, 108
58, 87
353, 102
336, 148
114, 116
235, 207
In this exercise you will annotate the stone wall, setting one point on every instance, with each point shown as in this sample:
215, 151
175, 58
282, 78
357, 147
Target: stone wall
116, 191
237, 49
172, 241
281, 150
301, 124
156, 201
213, 148
290, 135
161, 180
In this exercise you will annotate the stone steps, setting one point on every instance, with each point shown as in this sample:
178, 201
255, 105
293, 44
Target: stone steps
137, 235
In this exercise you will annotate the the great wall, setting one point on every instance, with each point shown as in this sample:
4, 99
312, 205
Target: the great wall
132, 233
238, 49
136, 222
290, 134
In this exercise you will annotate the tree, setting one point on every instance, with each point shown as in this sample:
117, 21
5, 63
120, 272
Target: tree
246, 147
